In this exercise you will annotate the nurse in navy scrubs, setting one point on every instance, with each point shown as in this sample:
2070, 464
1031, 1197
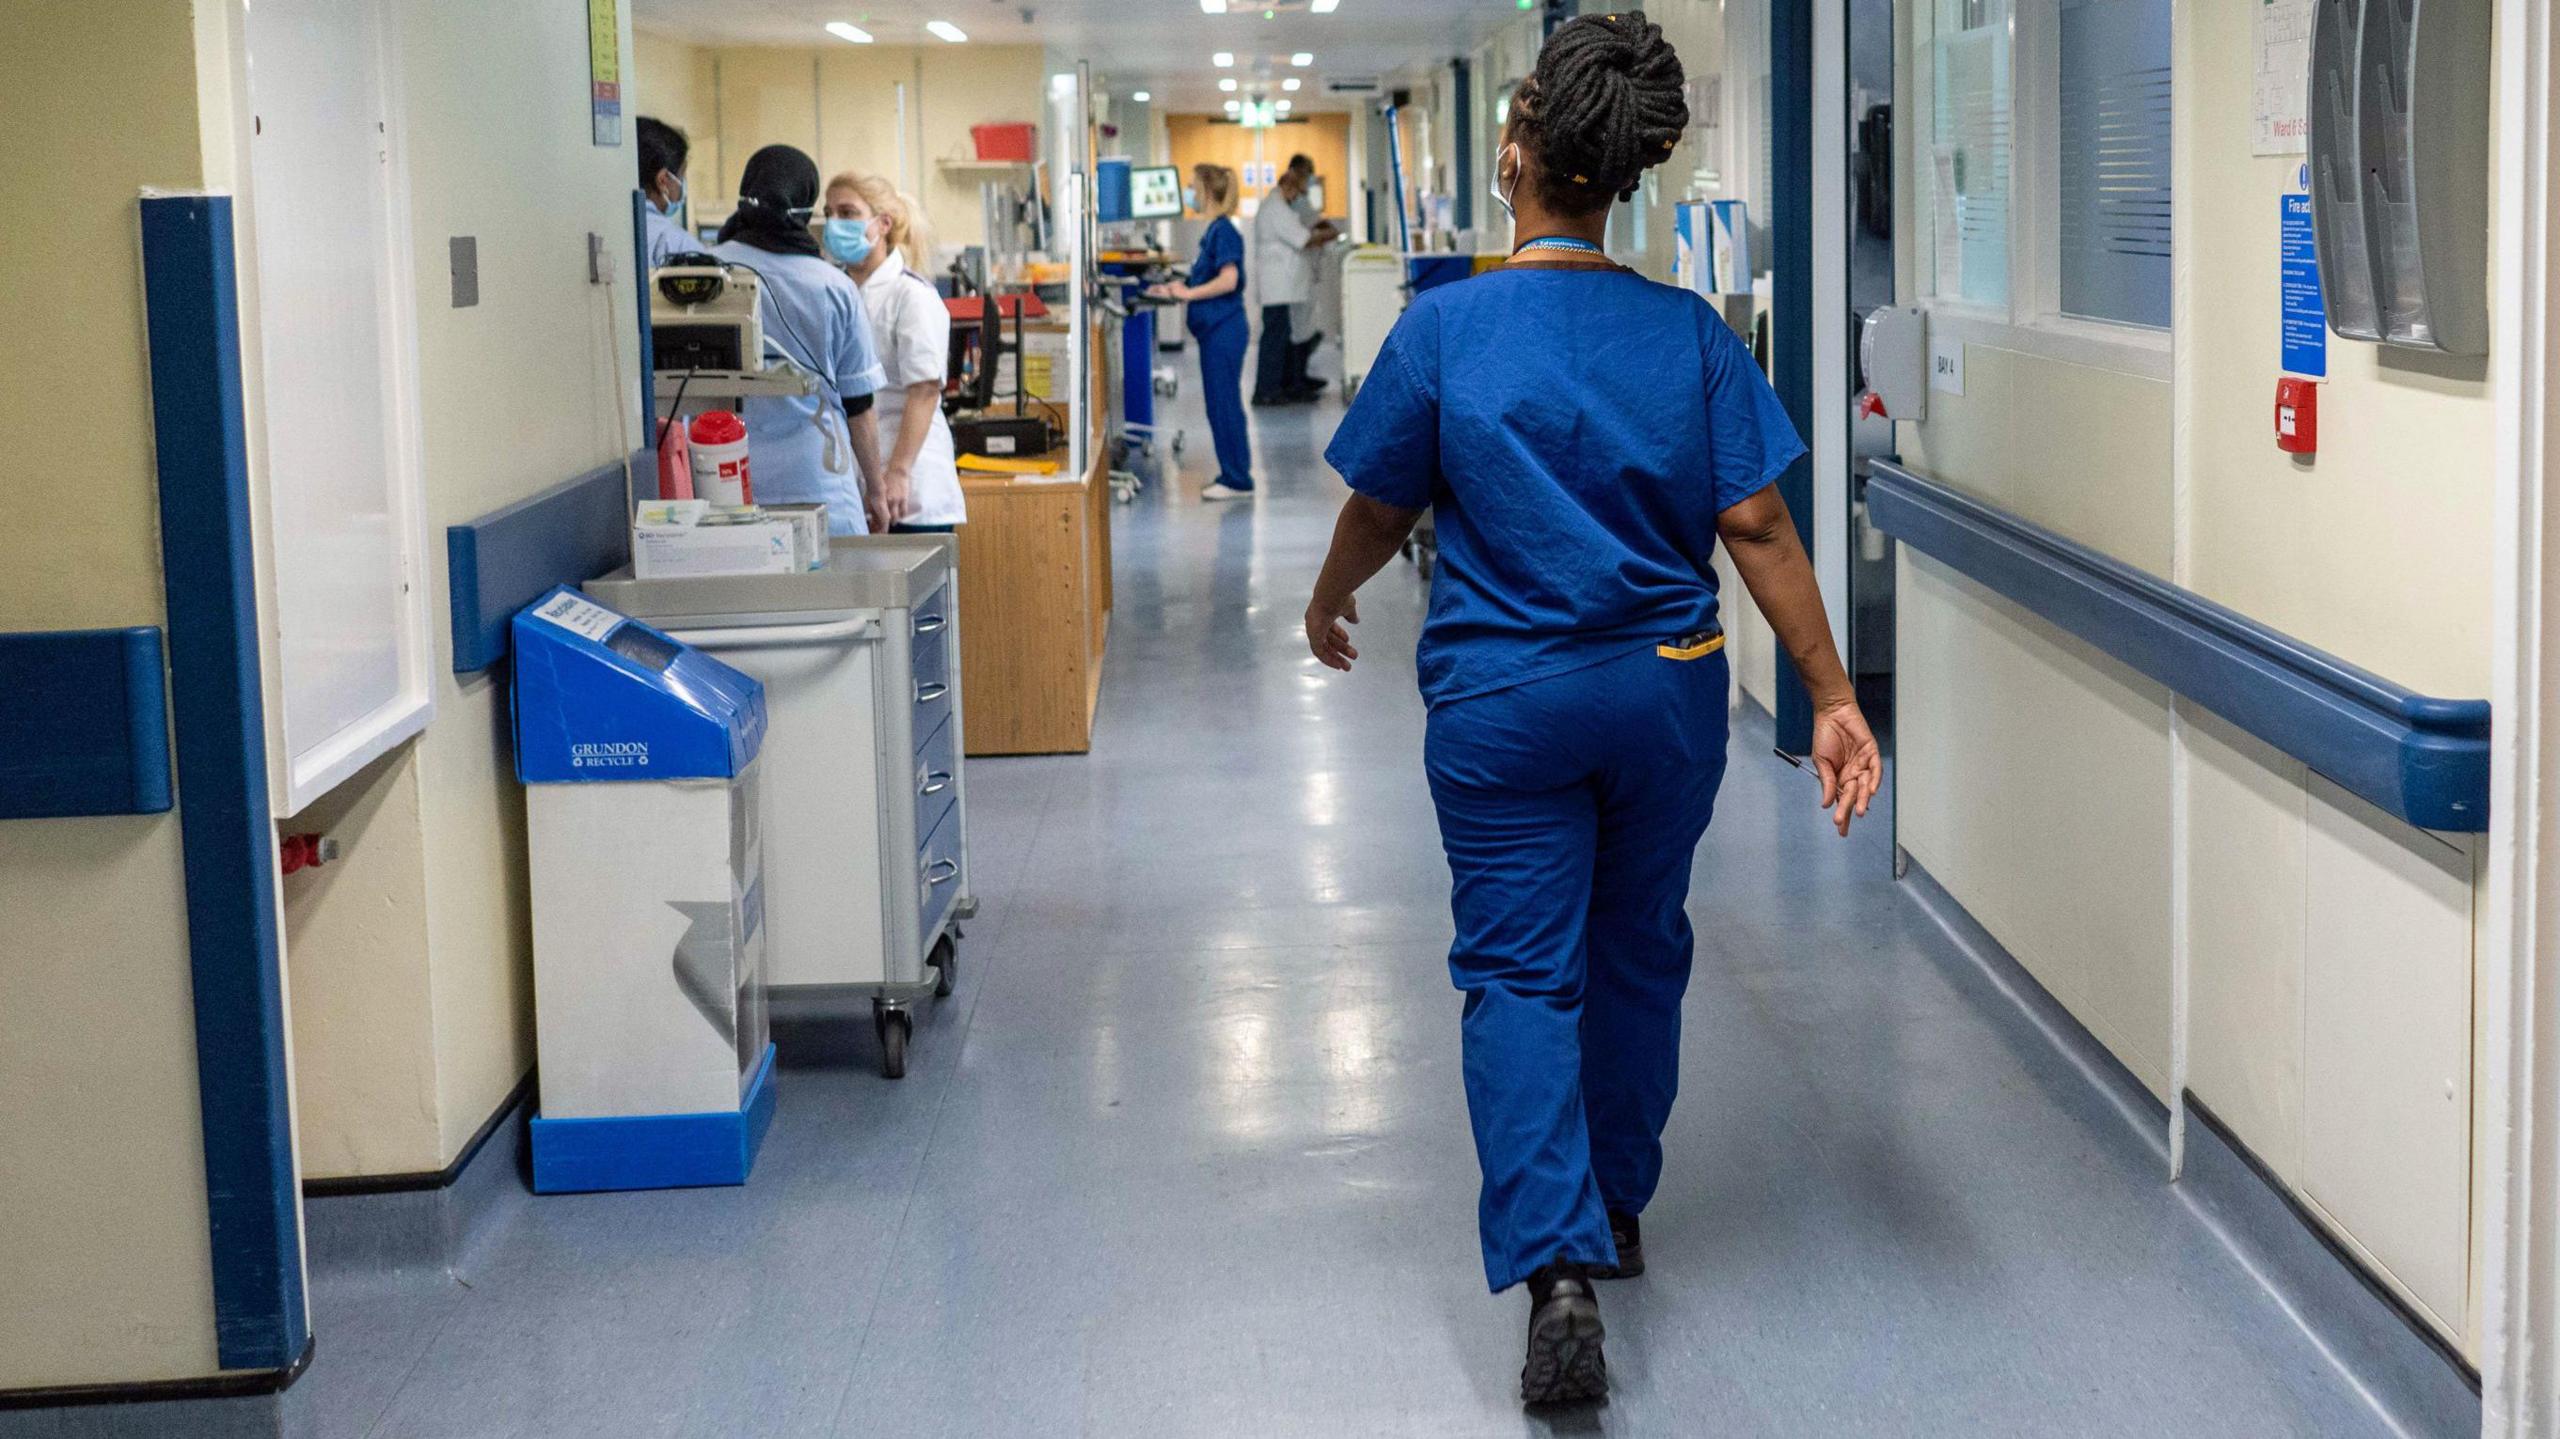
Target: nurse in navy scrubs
1584, 437
1215, 294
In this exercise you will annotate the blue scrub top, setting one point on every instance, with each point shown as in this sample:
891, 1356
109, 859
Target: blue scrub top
1221, 245
1575, 434
797, 449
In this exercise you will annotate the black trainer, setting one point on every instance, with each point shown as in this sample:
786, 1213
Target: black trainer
1564, 1364
1625, 1233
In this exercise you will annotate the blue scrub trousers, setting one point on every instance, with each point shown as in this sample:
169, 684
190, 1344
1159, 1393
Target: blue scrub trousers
1571, 808
1222, 347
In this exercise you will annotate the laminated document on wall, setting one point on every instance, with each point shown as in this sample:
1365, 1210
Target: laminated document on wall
2280, 89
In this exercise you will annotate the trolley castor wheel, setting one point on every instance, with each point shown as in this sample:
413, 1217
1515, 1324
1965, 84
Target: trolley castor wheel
896, 1027
945, 960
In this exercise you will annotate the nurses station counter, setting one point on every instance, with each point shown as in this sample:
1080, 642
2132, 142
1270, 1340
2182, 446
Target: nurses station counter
867, 871
643, 768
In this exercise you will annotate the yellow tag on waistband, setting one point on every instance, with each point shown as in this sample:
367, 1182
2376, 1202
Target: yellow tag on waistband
1698, 651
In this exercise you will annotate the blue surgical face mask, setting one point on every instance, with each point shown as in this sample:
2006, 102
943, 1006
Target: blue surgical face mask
669, 208
1191, 197
848, 242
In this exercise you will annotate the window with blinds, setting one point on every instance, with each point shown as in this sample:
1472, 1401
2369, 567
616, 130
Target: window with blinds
2113, 154
1972, 139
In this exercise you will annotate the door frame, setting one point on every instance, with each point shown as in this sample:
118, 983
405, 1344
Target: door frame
2519, 1011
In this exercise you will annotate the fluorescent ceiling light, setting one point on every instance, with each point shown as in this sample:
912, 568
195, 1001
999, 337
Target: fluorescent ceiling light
1292, 83
945, 30
1233, 106
1213, 7
854, 33
1140, 96
1282, 106
1224, 59
1323, 7
1228, 85
1303, 59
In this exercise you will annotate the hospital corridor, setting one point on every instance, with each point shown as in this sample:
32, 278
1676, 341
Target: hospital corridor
749, 719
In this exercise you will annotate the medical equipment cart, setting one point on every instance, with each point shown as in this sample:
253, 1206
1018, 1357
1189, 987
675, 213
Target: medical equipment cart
868, 873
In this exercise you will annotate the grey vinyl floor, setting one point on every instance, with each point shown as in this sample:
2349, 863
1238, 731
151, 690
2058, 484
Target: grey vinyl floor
1186, 1152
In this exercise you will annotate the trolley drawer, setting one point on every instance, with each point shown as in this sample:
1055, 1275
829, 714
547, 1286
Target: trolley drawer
937, 779
938, 873
931, 664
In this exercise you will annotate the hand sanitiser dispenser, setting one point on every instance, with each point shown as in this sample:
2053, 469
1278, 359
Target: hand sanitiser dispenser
643, 817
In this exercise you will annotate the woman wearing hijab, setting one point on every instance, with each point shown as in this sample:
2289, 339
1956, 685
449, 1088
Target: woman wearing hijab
822, 448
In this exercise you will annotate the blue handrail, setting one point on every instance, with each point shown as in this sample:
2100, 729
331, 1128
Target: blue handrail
2421, 758
84, 724
507, 559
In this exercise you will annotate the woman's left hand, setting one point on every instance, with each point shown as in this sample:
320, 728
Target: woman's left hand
1847, 761
1327, 640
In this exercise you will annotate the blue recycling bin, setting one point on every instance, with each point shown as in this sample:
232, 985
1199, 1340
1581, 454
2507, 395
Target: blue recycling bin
644, 824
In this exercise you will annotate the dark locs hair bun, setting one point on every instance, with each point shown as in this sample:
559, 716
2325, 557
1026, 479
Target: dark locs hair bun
1607, 103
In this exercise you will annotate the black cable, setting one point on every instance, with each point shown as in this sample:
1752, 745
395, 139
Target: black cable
675, 409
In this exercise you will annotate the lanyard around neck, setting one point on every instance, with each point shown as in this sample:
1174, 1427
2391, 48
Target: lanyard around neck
1557, 242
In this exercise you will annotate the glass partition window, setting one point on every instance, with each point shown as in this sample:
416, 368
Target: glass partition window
1970, 149
2113, 160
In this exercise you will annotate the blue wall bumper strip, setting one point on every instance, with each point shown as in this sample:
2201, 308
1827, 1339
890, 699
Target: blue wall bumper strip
507, 559
226, 837
63, 752
2424, 759
655, 1151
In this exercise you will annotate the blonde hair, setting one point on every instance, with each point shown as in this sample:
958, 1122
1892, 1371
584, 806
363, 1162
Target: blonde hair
910, 234
1217, 186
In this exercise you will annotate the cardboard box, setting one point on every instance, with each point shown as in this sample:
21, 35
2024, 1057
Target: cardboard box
808, 533
678, 551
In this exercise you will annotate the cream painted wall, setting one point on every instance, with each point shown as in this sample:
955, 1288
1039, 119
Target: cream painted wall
675, 82
104, 1257
839, 103
411, 962
2107, 487
493, 154
364, 1059
2327, 946
2377, 549
2031, 781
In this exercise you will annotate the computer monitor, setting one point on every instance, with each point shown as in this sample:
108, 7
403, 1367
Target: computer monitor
1155, 193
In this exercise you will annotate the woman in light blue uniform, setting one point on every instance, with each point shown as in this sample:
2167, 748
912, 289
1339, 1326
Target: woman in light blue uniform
1583, 437
813, 448
1215, 294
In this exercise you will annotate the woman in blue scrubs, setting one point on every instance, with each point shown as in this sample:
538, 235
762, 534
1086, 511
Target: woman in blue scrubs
1583, 437
822, 448
1215, 294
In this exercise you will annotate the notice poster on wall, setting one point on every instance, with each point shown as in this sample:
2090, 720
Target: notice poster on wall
2305, 324
604, 68
2283, 81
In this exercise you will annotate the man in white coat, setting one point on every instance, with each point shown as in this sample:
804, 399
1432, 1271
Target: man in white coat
1285, 271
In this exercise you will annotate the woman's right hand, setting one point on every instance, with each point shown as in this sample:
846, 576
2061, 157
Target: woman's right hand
1846, 759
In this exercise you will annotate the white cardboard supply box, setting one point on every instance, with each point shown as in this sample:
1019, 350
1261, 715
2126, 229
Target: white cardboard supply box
649, 937
671, 552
